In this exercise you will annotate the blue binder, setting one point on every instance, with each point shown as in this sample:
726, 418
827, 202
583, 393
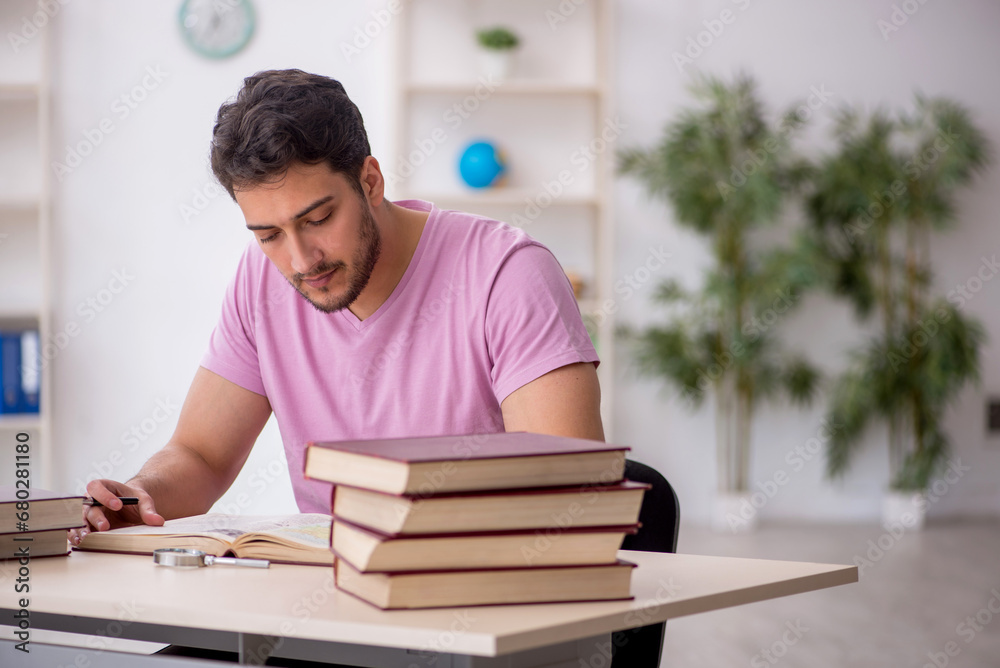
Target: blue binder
31, 371
10, 372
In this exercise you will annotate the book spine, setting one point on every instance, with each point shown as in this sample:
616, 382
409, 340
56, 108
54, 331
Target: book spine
30, 371
384, 537
10, 375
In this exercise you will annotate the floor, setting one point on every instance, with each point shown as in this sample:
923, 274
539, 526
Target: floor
929, 599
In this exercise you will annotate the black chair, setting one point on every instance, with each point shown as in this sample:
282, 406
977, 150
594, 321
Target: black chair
660, 516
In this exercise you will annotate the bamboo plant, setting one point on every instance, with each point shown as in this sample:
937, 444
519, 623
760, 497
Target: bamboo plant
891, 183
727, 171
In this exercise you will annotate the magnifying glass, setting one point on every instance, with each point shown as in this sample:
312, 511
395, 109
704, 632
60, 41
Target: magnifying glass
180, 557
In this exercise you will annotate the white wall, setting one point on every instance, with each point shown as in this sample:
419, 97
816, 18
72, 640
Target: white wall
120, 209
790, 47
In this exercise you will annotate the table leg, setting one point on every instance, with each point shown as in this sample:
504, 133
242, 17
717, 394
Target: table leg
255, 649
594, 652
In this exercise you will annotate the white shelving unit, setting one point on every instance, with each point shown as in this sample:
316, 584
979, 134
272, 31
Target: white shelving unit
548, 117
24, 216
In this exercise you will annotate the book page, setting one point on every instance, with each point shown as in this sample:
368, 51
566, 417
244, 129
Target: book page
310, 530
306, 527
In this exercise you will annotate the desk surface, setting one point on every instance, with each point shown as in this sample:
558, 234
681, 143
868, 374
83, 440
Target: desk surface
301, 601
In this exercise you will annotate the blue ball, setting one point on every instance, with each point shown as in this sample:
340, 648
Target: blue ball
481, 164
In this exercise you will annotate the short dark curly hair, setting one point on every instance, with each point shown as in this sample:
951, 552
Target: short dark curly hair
284, 116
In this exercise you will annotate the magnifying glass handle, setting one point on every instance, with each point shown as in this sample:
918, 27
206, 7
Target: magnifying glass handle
232, 561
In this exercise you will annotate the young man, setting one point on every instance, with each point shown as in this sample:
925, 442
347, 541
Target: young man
353, 317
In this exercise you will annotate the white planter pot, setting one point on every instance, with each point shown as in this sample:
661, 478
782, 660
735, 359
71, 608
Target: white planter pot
734, 513
905, 509
496, 65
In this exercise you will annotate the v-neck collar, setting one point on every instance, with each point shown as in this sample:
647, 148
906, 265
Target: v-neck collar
411, 268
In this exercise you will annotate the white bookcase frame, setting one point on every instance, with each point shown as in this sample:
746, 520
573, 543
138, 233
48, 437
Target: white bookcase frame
25, 297
593, 97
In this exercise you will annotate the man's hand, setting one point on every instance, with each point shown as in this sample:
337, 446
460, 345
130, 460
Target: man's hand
113, 514
217, 427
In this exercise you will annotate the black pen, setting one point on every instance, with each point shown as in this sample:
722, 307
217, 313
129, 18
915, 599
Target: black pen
126, 501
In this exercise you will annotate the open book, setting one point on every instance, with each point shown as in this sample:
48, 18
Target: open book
291, 539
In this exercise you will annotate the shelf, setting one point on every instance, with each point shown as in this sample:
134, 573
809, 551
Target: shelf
19, 205
18, 315
510, 87
18, 421
545, 117
505, 197
19, 91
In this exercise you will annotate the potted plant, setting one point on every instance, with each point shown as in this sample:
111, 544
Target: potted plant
497, 47
727, 171
891, 184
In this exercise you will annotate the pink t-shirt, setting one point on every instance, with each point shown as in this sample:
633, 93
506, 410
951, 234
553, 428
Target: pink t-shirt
481, 310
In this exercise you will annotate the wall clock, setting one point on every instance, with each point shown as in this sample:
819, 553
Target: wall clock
217, 28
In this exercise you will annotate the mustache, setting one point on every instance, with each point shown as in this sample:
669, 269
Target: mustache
324, 268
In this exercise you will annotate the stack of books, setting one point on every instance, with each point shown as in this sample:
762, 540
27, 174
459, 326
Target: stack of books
20, 371
478, 520
33, 522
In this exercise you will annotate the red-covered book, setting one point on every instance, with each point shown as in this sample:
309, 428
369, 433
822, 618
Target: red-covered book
369, 551
586, 505
45, 510
434, 465
501, 586
36, 520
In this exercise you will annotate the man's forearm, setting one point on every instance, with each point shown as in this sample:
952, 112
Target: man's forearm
180, 481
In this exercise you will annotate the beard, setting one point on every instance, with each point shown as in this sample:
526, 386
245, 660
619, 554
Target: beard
360, 269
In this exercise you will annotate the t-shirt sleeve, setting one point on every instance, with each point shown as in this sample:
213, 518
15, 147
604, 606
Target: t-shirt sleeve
533, 323
232, 348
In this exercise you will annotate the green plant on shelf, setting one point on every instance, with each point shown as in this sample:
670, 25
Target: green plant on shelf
497, 38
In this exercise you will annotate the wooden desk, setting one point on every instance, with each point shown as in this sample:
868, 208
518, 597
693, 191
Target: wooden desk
297, 611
